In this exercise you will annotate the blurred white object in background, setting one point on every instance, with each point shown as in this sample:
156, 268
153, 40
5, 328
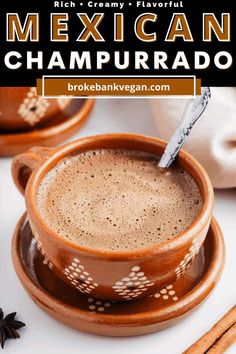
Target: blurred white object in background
213, 139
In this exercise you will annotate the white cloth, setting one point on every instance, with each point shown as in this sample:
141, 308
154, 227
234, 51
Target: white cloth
212, 140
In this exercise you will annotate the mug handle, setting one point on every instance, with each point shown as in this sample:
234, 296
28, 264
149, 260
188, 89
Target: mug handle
23, 165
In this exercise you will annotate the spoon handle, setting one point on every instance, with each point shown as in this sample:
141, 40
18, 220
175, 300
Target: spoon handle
193, 111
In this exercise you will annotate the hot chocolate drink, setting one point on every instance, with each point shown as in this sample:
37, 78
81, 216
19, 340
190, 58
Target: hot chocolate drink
117, 200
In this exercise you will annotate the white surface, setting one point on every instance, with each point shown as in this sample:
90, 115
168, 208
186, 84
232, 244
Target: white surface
43, 334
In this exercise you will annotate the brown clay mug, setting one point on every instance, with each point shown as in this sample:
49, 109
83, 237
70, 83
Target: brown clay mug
22, 109
103, 274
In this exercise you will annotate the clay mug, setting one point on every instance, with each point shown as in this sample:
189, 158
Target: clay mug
112, 275
22, 109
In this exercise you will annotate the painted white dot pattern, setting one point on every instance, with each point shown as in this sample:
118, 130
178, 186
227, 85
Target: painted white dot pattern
98, 306
39, 245
133, 285
166, 293
188, 259
64, 102
79, 278
33, 107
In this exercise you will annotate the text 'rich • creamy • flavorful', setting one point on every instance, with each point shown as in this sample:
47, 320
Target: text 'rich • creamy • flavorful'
117, 200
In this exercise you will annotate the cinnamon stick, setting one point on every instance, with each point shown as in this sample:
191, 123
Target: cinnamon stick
224, 342
204, 343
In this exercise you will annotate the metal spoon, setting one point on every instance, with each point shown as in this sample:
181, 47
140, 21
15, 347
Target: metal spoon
194, 109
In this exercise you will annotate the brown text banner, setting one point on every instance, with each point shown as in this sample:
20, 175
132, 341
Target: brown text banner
104, 86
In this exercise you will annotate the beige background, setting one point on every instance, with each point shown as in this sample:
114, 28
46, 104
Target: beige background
213, 138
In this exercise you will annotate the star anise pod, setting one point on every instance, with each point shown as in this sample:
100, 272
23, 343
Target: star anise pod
9, 327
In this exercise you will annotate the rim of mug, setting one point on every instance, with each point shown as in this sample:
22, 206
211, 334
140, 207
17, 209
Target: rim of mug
175, 242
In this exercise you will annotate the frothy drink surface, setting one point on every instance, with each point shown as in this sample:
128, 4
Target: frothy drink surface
117, 200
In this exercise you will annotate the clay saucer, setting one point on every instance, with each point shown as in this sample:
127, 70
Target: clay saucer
59, 129
168, 306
